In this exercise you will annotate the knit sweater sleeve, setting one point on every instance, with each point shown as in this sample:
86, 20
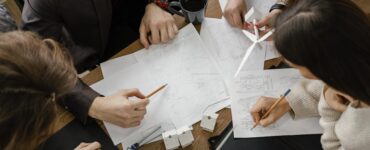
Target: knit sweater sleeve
328, 121
304, 98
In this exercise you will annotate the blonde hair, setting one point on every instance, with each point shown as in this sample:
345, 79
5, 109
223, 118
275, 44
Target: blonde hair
33, 74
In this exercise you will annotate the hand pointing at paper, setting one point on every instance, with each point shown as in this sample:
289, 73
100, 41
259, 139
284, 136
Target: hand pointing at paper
261, 107
119, 110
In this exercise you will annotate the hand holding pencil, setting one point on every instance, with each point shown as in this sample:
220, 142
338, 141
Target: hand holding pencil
267, 110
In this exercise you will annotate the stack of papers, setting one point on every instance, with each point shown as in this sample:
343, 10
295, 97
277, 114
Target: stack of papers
196, 69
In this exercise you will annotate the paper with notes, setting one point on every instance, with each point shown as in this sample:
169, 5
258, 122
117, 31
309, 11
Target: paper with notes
249, 86
194, 83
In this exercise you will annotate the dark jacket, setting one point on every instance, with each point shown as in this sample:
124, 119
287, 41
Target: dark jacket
80, 25
83, 27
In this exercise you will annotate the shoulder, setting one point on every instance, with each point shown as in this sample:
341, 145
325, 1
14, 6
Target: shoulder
43, 8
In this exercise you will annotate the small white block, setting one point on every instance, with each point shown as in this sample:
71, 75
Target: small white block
171, 140
253, 13
208, 122
185, 136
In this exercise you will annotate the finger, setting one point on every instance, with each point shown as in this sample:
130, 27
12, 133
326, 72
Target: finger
150, 39
164, 34
256, 116
263, 22
175, 28
238, 21
144, 36
155, 35
267, 121
259, 106
268, 19
137, 119
92, 146
140, 103
141, 108
81, 145
170, 30
135, 124
229, 19
133, 92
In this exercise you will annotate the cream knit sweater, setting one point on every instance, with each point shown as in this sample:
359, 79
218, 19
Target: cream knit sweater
349, 130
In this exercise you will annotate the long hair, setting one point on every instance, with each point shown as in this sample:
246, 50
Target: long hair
332, 39
33, 74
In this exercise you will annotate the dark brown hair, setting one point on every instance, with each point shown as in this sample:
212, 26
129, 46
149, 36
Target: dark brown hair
33, 73
332, 39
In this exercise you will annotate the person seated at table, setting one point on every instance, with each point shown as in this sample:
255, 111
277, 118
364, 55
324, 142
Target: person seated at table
235, 11
329, 43
92, 31
34, 75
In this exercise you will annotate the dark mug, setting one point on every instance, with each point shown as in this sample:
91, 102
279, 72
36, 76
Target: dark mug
192, 10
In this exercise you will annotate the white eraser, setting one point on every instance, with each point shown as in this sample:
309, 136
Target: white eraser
208, 122
171, 140
185, 136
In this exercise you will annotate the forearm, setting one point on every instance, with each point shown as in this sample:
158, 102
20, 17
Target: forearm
304, 98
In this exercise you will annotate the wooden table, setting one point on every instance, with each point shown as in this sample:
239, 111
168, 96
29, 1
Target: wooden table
201, 137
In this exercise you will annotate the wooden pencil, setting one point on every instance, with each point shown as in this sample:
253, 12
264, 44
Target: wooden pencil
271, 108
155, 91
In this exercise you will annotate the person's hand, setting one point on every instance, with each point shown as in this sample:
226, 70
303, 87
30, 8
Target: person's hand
265, 21
119, 110
88, 146
234, 12
263, 105
159, 24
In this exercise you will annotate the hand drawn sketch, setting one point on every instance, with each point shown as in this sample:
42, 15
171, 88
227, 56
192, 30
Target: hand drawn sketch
248, 87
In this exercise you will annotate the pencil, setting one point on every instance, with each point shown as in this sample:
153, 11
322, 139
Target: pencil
271, 108
155, 91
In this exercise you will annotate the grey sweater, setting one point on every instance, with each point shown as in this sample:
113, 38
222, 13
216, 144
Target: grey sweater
349, 130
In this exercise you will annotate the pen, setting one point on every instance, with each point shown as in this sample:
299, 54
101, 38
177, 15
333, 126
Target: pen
271, 108
144, 139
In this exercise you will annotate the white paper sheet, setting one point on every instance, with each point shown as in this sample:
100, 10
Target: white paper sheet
228, 45
194, 82
271, 51
248, 87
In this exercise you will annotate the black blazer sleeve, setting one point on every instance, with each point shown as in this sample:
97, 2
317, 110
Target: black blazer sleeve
79, 100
